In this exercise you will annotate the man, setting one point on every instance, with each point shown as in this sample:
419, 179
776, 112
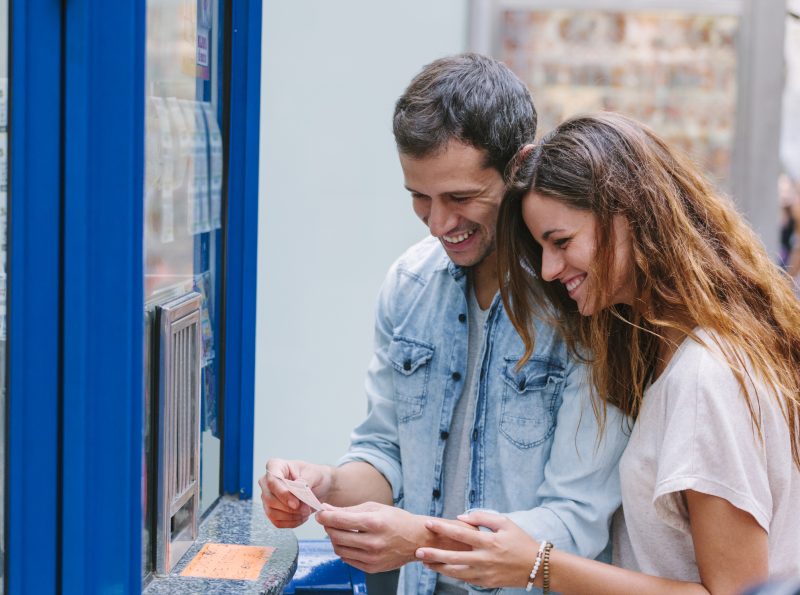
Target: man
452, 423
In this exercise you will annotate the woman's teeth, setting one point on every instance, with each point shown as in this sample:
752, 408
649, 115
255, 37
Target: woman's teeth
458, 238
572, 284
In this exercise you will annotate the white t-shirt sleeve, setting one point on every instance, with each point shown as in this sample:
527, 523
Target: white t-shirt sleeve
709, 443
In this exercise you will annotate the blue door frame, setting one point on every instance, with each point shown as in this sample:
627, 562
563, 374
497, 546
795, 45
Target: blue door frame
74, 483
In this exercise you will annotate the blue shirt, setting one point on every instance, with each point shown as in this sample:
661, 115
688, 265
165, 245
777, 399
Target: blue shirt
536, 450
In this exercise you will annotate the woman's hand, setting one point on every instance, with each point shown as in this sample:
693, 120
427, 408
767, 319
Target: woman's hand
500, 557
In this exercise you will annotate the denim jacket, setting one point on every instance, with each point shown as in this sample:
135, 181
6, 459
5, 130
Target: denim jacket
536, 455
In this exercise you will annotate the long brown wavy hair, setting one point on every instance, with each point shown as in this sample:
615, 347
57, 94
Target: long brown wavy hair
696, 264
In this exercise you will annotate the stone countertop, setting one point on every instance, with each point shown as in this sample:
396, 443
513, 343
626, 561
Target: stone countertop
240, 522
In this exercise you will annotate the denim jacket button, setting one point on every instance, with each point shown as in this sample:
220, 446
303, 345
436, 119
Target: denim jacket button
471, 496
436, 494
444, 434
456, 376
474, 434
522, 384
462, 317
407, 365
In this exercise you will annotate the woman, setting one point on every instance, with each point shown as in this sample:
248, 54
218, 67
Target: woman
694, 333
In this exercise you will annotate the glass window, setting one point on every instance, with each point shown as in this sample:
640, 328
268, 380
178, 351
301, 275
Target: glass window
675, 71
4, 49
183, 214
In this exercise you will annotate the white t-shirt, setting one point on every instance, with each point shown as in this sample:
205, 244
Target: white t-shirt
694, 432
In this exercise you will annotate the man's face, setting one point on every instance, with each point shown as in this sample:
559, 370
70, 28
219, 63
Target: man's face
457, 197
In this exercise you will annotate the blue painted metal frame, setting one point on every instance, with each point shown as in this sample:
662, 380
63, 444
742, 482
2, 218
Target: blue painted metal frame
241, 246
33, 299
103, 306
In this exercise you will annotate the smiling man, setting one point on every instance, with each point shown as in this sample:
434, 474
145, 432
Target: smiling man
453, 422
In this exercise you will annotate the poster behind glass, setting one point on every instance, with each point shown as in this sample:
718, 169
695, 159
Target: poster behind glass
672, 70
183, 210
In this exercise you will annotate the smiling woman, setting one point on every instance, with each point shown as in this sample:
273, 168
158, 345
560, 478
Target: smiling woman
690, 329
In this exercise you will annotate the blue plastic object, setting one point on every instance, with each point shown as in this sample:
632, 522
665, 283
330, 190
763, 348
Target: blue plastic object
320, 570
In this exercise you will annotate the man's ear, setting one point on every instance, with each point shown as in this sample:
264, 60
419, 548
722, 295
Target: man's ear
516, 162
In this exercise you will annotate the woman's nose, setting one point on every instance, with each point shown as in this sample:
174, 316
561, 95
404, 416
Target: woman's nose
552, 265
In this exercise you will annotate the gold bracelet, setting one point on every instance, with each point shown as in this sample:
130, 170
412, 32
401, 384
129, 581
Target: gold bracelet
546, 568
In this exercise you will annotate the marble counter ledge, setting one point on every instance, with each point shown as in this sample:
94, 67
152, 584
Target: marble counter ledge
235, 522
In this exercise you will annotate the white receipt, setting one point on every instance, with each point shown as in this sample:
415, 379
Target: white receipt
302, 491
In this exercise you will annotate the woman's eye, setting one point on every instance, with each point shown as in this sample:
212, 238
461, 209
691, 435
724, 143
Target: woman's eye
561, 242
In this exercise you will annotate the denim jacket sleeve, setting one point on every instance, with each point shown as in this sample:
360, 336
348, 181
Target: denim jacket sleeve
581, 487
375, 440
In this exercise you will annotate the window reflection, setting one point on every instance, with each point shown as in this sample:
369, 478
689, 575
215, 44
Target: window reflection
183, 212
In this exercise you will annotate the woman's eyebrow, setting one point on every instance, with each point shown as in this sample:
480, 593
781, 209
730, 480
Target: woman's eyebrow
547, 234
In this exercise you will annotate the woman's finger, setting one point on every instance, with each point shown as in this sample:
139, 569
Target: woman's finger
482, 518
435, 555
457, 571
452, 531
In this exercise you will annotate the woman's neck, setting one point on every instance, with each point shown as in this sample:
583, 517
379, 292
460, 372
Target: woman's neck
671, 338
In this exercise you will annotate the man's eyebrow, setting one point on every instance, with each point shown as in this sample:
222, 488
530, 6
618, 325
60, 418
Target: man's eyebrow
547, 234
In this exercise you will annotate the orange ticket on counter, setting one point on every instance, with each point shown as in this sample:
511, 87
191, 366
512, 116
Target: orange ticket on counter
228, 561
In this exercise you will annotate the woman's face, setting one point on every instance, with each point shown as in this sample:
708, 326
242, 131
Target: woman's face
568, 239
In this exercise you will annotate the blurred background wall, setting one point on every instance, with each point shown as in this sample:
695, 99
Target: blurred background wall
333, 214
708, 75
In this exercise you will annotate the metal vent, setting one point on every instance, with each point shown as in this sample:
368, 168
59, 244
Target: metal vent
178, 429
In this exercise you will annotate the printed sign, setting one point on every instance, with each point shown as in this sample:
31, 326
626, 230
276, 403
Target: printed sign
228, 561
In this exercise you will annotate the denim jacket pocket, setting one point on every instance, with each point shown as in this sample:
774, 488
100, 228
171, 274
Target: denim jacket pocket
530, 398
410, 359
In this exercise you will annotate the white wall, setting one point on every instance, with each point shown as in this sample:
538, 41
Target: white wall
333, 213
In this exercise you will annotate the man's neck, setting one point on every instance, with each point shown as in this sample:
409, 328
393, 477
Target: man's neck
483, 277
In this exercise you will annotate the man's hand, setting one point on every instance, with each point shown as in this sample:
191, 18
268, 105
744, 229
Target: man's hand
374, 537
281, 506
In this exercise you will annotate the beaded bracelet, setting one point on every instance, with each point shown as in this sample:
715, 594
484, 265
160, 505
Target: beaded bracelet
546, 569
536, 564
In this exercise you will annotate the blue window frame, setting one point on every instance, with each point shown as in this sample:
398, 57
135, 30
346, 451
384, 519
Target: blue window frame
75, 293
33, 359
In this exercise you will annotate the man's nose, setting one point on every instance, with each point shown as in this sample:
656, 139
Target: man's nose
441, 219
552, 265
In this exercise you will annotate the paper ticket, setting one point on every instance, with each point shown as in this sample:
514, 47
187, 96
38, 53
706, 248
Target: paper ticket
302, 491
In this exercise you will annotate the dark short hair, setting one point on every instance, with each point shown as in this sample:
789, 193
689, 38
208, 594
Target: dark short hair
470, 98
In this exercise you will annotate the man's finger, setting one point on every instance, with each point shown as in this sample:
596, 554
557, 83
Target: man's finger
350, 539
360, 556
278, 515
346, 521
280, 492
272, 502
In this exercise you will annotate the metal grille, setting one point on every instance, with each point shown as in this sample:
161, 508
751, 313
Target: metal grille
178, 429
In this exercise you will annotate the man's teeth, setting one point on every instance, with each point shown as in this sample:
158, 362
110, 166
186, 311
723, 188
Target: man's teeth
575, 282
459, 238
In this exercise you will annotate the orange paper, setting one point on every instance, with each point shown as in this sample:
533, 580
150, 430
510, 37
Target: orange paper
223, 560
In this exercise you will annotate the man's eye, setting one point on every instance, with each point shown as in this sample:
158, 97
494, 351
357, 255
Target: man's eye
417, 195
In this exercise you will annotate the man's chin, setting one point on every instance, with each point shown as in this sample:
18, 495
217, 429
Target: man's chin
467, 258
